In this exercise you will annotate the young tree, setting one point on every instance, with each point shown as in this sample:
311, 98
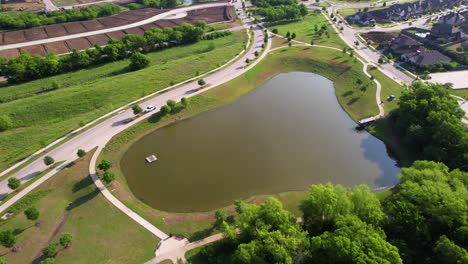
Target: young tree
50, 251
104, 165
108, 177
221, 217
65, 239
165, 109
256, 53
138, 61
171, 104
201, 82
48, 261
32, 213
275, 31
184, 101
137, 109
293, 35
48, 160
14, 183
7, 239
288, 34
5, 123
81, 153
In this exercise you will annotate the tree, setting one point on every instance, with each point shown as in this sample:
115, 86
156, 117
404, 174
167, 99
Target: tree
221, 217
2, 261
5, 123
293, 35
448, 252
165, 109
353, 241
288, 34
48, 160
65, 239
184, 101
247, 60
430, 201
81, 153
269, 234
138, 61
47, 261
104, 165
137, 109
108, 177
32, 213
13, 183
201, 24
275, 31
256, 53
201, 82
50, 251
171, 104
7, 239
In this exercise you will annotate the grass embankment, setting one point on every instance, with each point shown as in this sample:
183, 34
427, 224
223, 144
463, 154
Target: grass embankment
389, 87
70, 202
339, 68
41, 117
304, 30
461, 92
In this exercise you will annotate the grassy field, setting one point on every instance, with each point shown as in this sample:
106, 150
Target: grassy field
304, 30
461, 92
389, 87
343, 70
70, 202
41, 117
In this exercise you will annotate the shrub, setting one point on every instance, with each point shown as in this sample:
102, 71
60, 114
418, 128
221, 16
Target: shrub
138, 61
7, 239
104, 165
31, 213
201, 82
171, 104
65, 239
184, 101
108, 177
50, 251
137, 109
48, 160
14, 183
81, 153
5, 123
165, 109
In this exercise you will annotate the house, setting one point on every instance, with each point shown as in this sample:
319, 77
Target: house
362, 18
403, 44
454, 19
425, 57
446, 31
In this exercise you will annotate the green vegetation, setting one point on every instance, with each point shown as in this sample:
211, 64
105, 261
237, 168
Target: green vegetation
25, 67
29, 19
14, 183
75, 216
81, 153
41, 116
306, 31
48, 160
429, 121
351, 225
389, 87
283, 12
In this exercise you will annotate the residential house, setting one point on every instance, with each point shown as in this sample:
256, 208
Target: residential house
448, 32
425, 57
403, 44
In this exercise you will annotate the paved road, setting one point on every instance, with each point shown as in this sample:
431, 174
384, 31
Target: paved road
100, 134
107, 30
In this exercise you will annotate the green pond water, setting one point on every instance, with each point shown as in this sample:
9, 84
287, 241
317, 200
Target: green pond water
284, 136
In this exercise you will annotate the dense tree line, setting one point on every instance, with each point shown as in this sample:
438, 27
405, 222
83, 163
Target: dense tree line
429, 121
283, 12
269, 3
160, 3
28, 19
26, 67
424, 219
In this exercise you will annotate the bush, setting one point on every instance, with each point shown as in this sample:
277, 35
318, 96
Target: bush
65, 239
48, 160
81, 153
14, 183
50, 251
137, 109
275, 31
104, 165
184, 101
47, 261
256, 53
108, 177
5, 123
138, 61
31, 213
7, 239
165, 109
201, 82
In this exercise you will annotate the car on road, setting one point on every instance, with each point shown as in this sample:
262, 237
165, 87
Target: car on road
149, 108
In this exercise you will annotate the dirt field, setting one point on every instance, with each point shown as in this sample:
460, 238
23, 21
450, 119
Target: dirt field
379, 37
21, 5
210, 15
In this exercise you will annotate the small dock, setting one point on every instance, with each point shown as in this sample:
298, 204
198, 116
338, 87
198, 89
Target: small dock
151, 158
367, 121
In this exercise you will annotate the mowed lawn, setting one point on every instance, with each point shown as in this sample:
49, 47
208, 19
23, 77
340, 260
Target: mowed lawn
71, 203
339, 68
41, 117
389, 87
304, 30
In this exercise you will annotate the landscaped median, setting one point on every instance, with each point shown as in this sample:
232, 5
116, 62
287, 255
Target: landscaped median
354, 90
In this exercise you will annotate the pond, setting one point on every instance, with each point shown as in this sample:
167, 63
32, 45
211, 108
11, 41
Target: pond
284, 136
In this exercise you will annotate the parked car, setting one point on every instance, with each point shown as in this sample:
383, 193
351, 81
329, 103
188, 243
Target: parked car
149, 108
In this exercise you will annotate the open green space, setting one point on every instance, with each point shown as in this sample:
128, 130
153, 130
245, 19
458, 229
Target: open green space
304, 30
357, 100
389, 87
69, 202
40, 117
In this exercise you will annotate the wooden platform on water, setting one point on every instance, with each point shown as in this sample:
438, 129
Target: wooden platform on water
151, 158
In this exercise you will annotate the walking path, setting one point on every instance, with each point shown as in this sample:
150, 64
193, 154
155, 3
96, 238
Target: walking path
49, 6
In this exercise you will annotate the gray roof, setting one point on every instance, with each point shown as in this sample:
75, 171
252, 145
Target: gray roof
427, 57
